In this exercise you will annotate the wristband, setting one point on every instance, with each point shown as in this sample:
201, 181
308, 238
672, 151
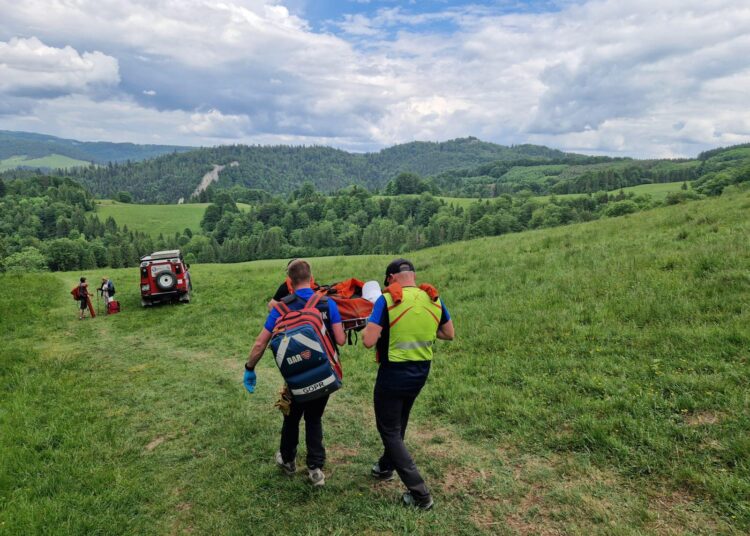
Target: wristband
249, 369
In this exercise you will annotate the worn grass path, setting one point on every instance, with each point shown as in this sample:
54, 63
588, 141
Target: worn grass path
598, 386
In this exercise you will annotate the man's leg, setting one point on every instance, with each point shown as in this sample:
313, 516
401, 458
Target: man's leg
290, 433
316, 452
389, 412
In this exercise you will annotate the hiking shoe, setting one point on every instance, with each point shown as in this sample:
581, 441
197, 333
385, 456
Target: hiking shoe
316, 477
425, 504
289, 468
383, 475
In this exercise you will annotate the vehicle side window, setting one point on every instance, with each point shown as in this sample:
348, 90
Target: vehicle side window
178, 269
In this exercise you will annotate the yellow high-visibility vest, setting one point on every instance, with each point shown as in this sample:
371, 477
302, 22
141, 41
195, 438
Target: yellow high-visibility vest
413, 325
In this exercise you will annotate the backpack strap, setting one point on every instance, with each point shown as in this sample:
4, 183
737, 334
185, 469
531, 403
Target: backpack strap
281, 308
430, 290
314, 300
396, 292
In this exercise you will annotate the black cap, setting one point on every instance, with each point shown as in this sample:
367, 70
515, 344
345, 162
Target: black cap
397, 266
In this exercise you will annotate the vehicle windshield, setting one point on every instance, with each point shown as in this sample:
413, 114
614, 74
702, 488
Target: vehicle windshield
156, 268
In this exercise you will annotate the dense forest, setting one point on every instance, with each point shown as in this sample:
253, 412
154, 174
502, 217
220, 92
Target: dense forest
49, 222
282, 169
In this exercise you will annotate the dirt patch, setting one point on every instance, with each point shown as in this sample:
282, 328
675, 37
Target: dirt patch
701, 418
676, 512
183, 507
341, 455
461, 479
155, 443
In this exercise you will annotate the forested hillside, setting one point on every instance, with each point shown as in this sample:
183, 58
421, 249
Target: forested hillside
33, 146
49, 223
281, 169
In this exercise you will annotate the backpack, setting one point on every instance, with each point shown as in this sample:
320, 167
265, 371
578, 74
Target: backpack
76, 292
304, 353
110, 288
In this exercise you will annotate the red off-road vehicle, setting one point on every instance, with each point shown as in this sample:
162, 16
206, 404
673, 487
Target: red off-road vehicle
164, 277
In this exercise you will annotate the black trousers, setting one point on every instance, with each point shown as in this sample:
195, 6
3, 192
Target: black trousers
313, 413
392, 416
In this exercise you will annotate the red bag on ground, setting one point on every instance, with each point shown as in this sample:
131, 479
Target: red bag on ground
113, 307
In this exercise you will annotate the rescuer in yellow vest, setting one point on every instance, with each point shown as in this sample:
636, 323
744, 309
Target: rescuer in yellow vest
404, 324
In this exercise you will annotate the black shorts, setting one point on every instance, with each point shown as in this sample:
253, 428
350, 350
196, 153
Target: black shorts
84, 304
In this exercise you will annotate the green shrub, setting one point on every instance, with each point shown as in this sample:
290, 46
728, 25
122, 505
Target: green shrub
29, 259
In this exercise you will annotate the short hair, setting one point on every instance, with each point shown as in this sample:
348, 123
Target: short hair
83, 280
299, 271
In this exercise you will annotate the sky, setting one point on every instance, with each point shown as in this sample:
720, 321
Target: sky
655, 78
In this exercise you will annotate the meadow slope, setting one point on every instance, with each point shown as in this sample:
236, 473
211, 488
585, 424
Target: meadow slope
155, 219
598, 385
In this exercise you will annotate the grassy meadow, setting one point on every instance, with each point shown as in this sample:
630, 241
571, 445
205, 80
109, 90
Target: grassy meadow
598, 384
155, 219
54, 161
658, 191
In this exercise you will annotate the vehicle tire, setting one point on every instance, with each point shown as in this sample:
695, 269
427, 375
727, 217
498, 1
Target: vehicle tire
185, 298
145, 303
166, 281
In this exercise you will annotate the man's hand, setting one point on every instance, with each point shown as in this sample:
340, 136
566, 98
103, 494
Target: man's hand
249, 381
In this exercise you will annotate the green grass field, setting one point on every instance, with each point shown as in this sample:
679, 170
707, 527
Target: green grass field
598, 385
155, 219
55, 161
657, 191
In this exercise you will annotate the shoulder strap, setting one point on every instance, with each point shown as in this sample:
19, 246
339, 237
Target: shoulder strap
396, 292
430, 290
281, 308
313, 301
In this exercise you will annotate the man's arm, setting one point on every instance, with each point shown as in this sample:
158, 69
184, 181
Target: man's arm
446, 331
256, 352
338, 334
371, 334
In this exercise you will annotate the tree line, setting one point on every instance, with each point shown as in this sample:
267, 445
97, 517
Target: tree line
49, 223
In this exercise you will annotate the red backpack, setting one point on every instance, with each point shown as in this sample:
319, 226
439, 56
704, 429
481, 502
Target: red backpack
304, 353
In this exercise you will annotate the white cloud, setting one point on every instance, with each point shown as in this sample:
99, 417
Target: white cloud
214, 124
604, 76
28, 65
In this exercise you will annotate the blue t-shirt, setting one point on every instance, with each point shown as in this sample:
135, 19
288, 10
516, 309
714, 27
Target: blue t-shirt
334, 317
402, 377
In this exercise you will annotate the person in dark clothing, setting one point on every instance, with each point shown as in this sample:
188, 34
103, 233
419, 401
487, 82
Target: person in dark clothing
403, 326
83, 298
286, 288
300, 275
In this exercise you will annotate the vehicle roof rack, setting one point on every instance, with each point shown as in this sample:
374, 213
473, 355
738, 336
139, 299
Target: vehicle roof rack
162, 255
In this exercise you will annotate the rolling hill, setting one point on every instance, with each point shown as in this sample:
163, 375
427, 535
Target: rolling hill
30, 150
155, 219
282, 169
597, 385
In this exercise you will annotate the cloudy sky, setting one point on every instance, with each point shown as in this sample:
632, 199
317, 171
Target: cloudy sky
624, 77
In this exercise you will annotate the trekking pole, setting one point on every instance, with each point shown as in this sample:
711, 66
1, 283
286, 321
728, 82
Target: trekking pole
98, 310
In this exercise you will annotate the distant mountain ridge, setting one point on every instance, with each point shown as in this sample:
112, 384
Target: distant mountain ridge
282, 169
34, 146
